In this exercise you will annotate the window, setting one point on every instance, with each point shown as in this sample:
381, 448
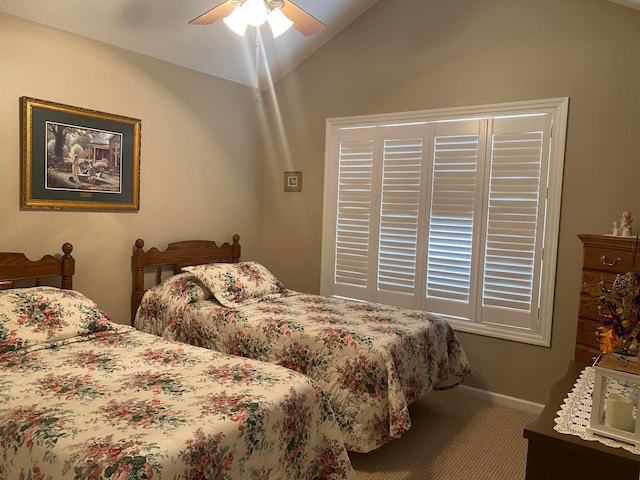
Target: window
451, 211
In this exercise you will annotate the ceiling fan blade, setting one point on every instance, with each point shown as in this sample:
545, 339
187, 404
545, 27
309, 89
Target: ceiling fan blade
304, 22
215, 14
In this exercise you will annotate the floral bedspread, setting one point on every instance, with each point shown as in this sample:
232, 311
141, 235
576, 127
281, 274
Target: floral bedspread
120, 404
372, 361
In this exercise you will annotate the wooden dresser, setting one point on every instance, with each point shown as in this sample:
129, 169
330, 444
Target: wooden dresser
604, 258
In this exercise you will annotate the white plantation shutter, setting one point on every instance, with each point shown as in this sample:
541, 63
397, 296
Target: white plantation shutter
400, 212
378, 213
455, 187
449, 211
515, 212
354, 215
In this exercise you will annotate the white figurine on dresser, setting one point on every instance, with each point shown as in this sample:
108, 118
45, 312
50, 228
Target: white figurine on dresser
625, 224
616, 229
623, 227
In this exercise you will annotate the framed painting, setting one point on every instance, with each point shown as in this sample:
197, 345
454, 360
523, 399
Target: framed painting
292, 181
76, 158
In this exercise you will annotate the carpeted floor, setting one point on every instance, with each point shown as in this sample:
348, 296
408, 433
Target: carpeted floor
454, 437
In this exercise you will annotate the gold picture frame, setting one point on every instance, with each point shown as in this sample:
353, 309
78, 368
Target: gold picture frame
292, 181
76, 158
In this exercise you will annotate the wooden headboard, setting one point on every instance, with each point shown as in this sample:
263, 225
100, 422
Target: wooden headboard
16, 266
177, 255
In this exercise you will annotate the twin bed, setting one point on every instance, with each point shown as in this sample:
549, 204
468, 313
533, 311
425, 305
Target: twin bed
84, 397
286, 384
371, 361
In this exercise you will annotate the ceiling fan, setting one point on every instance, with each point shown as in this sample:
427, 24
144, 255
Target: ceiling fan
280, 14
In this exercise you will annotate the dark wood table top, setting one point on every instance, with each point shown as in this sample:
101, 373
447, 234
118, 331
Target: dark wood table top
541, 429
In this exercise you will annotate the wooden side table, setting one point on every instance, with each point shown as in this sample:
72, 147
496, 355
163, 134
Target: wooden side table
552, 455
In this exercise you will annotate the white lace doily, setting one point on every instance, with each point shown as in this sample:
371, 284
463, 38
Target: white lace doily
575, 412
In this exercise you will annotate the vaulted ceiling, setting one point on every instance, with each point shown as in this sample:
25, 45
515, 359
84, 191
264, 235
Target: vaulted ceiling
160, 29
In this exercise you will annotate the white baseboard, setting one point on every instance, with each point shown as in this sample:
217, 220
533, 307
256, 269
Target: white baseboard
499, 399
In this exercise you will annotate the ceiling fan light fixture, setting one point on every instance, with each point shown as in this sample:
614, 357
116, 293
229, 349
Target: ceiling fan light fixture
278, 22
236, 21
255, 12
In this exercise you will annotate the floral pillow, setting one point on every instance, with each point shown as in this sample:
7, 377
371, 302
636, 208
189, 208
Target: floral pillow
166, 300
236, 284
182, 288
32, 316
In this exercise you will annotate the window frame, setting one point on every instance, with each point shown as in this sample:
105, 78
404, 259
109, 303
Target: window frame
557, 108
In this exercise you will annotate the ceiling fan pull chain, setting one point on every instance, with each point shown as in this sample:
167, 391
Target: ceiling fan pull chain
256, 91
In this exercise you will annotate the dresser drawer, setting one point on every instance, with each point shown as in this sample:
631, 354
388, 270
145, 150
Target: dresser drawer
589, 308
592, 284
586, 332
610, 260
587, 346
586, 354
593, 281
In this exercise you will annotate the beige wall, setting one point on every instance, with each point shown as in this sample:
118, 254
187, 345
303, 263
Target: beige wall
200, 177
404, 55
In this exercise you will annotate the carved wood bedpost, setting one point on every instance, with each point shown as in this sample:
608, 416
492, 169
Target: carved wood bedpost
138, 277
68, 266
236, 247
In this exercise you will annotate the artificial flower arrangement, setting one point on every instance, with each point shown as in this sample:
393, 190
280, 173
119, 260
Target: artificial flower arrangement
619, 328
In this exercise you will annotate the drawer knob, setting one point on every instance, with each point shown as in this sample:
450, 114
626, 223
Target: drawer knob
603, 258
